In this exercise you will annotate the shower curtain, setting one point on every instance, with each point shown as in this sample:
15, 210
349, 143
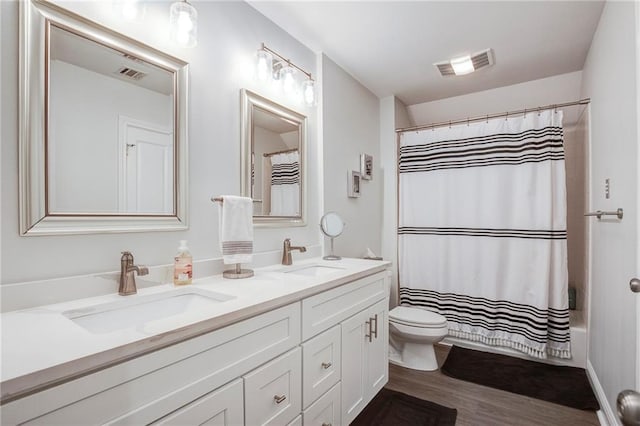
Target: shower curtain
285, 184
482, 230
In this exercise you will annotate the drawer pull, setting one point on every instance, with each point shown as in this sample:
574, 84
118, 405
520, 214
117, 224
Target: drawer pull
326, 365
279, 398
326, 424
368, 322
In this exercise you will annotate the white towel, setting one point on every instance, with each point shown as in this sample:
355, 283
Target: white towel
236, 229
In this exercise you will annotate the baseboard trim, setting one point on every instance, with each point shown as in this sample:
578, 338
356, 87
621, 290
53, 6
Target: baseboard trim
606, 416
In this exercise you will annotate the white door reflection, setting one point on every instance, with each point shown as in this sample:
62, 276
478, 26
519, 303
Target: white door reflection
146, 171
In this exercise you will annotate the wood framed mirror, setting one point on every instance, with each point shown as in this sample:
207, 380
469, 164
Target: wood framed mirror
103, 128
273, 161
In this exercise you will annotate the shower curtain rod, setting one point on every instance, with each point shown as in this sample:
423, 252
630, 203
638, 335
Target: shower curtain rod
488, 116
285, 151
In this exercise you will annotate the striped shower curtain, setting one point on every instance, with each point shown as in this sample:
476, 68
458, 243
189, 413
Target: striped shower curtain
482, 230
285, 184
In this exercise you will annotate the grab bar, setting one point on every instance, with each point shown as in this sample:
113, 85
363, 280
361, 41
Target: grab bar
600, 213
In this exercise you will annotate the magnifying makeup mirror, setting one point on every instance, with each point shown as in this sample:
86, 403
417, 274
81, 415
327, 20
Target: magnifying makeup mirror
332, 226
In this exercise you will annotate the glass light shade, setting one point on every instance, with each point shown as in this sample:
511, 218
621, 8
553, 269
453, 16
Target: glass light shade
462, 65
309, 92
183, 24
264, 65
129, 10
287, 77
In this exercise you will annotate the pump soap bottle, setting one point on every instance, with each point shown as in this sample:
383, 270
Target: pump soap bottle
182, 267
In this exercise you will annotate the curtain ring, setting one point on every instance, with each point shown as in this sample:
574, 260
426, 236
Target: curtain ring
525, 113
487, 118
467, 121
538, 111
449, 123
506, 116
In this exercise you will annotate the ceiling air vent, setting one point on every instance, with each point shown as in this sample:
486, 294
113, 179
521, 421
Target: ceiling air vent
469, 63
130, 73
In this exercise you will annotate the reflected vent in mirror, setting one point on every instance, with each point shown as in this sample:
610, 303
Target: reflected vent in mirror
131, 73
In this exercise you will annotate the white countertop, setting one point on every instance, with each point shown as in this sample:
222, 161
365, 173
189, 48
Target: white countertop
42, 347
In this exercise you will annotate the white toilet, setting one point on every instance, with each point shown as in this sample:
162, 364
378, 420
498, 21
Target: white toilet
412, 334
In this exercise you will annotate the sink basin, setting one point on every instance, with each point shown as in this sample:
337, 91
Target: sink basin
135, 311
314, 270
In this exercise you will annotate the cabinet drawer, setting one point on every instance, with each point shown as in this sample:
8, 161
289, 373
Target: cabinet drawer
325, 411
148, 387
272, 392
321, 364
221, 407
327, 309
297, 421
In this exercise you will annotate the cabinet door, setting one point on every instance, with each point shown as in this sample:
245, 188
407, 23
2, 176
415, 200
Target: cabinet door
355, 341
272, 393
378, 349
222, 407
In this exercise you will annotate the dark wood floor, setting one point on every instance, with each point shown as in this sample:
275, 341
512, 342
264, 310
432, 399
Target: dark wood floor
481, 405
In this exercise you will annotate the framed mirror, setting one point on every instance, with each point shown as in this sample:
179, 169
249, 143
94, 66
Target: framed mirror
103, 128
273, 161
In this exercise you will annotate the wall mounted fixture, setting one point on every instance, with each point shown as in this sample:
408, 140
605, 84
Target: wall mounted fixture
183, 24
466, 64
285, 72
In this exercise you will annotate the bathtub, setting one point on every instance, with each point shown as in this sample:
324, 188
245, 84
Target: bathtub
578, 345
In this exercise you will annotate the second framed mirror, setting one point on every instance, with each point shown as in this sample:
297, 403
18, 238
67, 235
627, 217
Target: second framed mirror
273, 160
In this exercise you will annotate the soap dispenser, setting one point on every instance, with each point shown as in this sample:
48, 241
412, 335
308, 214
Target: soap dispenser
183, 265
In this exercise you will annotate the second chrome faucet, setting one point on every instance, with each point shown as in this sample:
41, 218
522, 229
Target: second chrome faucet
286, 251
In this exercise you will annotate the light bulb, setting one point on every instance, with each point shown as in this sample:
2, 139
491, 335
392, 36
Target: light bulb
462, 65
288, 82
129, 10
264, 65
183, 22
308, 92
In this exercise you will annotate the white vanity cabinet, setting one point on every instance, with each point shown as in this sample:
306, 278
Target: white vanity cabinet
316, 361
359, 310
152, 386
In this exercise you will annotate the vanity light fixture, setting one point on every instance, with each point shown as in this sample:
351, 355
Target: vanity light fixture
285, 71
183, 24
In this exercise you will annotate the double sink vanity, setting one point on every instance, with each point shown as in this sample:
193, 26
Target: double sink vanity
300, 344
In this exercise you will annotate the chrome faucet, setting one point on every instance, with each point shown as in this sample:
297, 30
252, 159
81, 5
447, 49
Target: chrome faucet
127, 277
286, 251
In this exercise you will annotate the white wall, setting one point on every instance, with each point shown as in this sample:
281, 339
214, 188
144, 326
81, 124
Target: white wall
229, 33
351, 126
609, 78
546, 91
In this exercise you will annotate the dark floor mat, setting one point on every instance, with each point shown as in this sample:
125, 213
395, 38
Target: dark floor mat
568, 386
391, 408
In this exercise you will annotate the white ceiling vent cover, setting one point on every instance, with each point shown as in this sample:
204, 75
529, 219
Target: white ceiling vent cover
480, 60
131, 73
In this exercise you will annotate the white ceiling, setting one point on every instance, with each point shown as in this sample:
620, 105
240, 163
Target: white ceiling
391, 46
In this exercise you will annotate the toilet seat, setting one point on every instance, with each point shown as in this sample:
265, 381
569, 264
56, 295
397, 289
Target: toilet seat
416, 317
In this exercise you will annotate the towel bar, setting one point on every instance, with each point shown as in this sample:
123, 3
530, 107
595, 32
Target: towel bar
600, 213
